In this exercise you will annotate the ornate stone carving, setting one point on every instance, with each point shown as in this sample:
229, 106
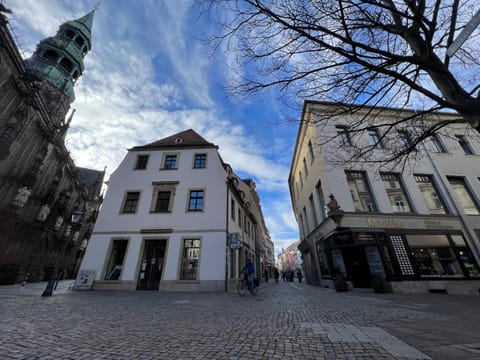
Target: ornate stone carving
21, 197
43, 214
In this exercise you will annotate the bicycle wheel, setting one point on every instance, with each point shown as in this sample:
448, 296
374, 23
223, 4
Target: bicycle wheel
242, 288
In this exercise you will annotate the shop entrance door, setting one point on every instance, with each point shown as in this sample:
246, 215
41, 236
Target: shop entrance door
152, 265
357, 266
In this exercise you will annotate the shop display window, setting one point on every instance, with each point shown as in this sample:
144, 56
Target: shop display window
433, 256
466, 257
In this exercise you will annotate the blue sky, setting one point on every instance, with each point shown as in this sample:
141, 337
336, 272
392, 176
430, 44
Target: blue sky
149, 76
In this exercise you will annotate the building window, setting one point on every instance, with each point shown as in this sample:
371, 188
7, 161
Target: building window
200, 161
302, 230
437, 144
466, 256
395, 192
343, 136
404, 138
312, 209
310, 151
232, 209
162, 203
162, 197
463, 196
305, 218
463, 142
239, 218
191, 250
141, 163
360, 191
430, 194
301, 179
433, 256
374, 137
115, 262
321, 200
305, 170
245, 224
170, 162
50, 55
195, 201
131, 202
66, 64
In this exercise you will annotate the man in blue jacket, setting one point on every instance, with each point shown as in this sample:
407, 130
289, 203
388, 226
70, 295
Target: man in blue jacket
250, 271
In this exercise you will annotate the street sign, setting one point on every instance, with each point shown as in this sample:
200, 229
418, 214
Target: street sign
234, 241
466, 32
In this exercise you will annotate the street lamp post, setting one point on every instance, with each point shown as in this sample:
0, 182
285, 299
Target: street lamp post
53, 281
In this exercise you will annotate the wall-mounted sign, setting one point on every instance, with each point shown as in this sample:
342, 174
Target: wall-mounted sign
433, 224
374, 260
387, 223
234, 241
365, 236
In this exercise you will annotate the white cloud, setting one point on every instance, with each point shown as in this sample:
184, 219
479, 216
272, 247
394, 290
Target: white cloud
124, 97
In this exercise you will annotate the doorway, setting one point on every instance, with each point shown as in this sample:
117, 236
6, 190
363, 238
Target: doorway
357, 266
152, 265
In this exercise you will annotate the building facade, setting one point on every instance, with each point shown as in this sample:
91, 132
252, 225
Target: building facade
175, 218
405, 228
47, 205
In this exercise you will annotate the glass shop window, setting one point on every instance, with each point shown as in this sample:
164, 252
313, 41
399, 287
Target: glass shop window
434, 256
466, 256
115, 262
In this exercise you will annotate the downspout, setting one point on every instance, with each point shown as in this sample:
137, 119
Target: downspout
227, 182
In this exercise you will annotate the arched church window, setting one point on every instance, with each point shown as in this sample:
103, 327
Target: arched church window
66, 64
75, 74
50, 55
79, 41
69, 34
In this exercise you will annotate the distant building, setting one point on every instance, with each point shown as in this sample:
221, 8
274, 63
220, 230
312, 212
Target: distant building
412, 229
290, 258
175, 218
47, 204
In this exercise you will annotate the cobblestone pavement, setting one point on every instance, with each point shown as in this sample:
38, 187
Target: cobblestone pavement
284, 321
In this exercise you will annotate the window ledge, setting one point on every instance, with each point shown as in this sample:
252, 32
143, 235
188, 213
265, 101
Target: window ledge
186, 281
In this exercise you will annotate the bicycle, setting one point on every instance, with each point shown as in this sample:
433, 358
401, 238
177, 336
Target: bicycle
244, 286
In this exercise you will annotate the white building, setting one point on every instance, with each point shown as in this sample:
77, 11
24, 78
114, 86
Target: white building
416, 228
171, 209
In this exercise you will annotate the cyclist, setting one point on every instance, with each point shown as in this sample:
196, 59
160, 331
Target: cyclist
249, 270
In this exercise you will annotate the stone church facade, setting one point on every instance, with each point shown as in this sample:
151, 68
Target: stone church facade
47, 205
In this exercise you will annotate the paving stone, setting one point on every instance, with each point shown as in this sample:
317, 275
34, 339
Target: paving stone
281, 322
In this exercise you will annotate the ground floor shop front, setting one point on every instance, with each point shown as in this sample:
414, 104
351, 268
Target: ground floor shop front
401, 254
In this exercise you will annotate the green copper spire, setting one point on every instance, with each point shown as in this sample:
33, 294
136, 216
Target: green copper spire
59, 59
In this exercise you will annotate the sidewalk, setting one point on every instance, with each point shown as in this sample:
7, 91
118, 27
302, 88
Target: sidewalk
34, 289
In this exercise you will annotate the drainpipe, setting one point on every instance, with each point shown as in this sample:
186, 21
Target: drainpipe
227, 182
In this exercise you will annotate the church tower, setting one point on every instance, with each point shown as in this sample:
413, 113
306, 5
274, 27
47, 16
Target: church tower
48, 205
58, 63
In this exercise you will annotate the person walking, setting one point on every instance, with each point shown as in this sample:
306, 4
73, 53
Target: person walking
249, 270
265, 274
299, 275
276, 274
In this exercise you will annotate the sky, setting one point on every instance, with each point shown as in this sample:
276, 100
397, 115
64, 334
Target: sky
151, 74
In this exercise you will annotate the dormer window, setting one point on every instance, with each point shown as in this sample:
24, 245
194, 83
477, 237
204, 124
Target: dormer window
178, 140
